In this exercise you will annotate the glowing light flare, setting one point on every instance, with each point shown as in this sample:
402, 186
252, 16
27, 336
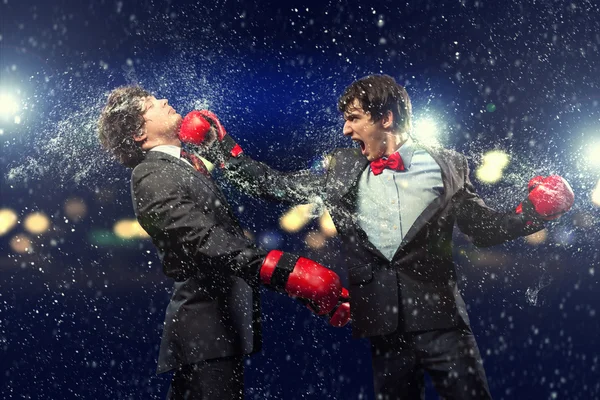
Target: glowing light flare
36, 223
593, 155
425, 130
8, 220
21, 244
596, 195
296, 218
9, 106
129, 229
492, 166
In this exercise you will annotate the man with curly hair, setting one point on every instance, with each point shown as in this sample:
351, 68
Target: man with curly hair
213, 318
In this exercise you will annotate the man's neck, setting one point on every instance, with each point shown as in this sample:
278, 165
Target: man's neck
394, 141
163, 142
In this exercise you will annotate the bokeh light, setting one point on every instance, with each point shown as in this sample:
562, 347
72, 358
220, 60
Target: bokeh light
270, 240
75, 208
537, 238
492, 166
129, 229
36, 223
296, 218
21, 244
327, 225
8, 219
315, 240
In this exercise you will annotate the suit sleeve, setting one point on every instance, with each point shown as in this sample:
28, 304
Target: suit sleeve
193, 238
484, 225
258, 179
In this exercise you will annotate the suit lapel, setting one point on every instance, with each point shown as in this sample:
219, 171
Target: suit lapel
343, 175
440, 202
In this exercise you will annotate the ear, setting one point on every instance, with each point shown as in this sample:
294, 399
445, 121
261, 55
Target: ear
140, 137
387, 120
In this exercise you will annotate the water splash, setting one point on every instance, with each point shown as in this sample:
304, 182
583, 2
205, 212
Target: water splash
532, 293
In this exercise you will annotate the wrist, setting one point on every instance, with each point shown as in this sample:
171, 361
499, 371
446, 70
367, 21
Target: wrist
276, 269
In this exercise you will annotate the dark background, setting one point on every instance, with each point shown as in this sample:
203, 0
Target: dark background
81, 312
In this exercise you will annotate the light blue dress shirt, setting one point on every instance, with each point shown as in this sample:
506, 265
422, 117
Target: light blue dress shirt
389, 203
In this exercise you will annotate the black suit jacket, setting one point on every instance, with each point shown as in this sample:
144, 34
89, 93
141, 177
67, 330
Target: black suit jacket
417, 289
214, 310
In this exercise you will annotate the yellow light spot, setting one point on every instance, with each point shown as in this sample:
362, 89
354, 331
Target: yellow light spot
315, 240
492, 166
8, 219
296, 218
75, 209
537, 238
21, 244
37, 223
327, 225
129, 229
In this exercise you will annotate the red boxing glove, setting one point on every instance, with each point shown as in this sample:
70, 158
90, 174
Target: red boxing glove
194, 128
213, 120
303, 278
340, 315
548, 198
229, 145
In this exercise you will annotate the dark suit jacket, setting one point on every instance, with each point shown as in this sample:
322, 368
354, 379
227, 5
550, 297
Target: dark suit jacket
214, 310
417, 289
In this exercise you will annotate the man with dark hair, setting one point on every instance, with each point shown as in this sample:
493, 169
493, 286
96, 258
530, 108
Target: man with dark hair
122, 119
213, 319
394, 203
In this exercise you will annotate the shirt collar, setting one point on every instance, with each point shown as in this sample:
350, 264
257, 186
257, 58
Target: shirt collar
406, 152
169, 149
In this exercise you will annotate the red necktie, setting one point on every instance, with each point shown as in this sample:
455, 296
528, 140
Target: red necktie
394, 161
195, 161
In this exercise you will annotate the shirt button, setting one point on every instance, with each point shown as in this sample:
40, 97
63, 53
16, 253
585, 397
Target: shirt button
395, 227
393, 201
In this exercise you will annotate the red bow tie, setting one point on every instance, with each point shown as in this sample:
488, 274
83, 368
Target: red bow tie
394, 161
195, 161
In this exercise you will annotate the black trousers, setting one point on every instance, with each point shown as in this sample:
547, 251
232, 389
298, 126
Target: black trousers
450, 357
219, 379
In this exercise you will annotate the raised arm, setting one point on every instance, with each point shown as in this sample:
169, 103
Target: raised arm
204, 130
548, 199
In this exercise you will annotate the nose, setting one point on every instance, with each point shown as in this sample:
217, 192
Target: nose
164, 102
347, 130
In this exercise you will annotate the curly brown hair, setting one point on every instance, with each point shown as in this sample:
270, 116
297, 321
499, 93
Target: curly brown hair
120, 120
378, 94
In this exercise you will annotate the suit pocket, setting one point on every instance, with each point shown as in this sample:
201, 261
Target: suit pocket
360, 275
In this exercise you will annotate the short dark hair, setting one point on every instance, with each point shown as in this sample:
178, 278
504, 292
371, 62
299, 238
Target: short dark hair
378, 94
120, 120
